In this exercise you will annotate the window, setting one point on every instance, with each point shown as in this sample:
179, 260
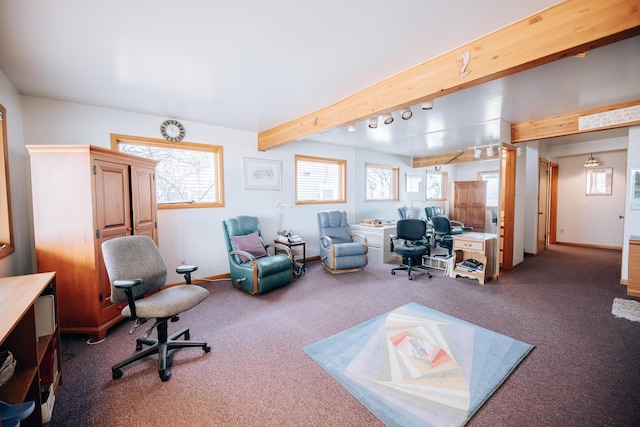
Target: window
187, 175
493, 185
6, 226
436, 185
382, 182
320, 180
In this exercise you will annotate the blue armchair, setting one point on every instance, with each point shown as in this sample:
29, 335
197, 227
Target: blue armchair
339, 251
251, 267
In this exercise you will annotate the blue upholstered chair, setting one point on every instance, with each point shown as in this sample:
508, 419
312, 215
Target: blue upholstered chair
251, 266
340, 251
137, 273
404, 213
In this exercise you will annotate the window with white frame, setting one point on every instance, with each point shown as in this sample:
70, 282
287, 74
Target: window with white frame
187, 175
382, 182
436, 185
320, 180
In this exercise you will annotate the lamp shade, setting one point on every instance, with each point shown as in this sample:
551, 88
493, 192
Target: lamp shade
591, 162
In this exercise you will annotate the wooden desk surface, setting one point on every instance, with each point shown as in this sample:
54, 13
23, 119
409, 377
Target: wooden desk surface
17, 294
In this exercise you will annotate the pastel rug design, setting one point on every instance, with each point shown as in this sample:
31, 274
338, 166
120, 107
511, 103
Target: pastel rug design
416, 366
626, 308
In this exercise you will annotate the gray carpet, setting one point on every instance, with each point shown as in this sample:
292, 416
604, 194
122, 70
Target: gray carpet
583, 370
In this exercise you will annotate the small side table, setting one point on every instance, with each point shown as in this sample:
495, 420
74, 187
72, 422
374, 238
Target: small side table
293, 245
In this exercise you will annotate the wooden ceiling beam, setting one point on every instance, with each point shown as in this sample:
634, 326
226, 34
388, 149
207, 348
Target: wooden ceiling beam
465, 156
568, 28
568, 124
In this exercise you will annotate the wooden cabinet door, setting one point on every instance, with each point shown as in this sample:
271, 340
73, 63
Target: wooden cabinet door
143, 199
469, 203
113, 214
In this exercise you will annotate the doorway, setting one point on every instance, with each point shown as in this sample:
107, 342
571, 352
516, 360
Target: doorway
543, 205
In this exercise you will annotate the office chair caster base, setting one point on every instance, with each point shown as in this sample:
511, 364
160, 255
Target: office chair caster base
206, 348
116, 373
165, 375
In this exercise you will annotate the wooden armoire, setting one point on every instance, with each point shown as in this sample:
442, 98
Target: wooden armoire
468, 203
82, 196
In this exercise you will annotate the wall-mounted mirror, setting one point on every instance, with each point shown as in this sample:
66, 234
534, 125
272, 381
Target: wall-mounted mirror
6, 227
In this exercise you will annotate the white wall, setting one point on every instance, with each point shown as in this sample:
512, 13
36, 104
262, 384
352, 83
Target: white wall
20, 262
193, 235
631, 216
388, 209
590, 219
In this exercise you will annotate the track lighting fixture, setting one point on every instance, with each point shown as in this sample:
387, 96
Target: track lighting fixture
477, 153
373, 122
490, 151
428, 105
387, 119
352, 128
406, 114
591, 162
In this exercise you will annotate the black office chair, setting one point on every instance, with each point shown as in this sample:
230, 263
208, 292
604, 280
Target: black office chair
136, 269
456, 226
443, 233
416, 245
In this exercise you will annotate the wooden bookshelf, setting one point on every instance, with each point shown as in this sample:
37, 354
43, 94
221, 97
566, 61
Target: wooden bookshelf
18, 295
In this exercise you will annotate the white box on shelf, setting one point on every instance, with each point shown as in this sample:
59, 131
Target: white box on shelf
45, 315
47, 407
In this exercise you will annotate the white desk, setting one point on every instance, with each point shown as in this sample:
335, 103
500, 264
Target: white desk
378, 239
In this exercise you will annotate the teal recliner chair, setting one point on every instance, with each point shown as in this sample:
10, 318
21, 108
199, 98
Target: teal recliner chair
340, 251
251, 266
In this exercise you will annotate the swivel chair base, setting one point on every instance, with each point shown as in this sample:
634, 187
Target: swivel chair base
161, 347
408, 266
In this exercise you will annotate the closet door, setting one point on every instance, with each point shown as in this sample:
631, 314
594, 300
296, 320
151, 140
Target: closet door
113, 217
143, 200
469, 203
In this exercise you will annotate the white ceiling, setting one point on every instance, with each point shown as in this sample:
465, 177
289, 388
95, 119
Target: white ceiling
254, 64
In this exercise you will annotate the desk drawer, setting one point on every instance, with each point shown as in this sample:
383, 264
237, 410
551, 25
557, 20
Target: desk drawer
468, 245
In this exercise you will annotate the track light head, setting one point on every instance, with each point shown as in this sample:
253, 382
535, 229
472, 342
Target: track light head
477, 153
387, 119
490, 151
352, 128
406, 114
373, 122
428, 105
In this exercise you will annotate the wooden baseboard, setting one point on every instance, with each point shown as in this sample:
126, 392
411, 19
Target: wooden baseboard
586, 245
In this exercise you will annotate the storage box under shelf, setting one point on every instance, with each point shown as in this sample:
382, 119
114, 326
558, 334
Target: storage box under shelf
431, 262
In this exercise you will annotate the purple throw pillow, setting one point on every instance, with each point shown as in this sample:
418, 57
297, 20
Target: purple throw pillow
249, 243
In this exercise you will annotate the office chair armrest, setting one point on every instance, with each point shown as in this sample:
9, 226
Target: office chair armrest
458, 223
186, 270
285, 248
392, 238
127, 285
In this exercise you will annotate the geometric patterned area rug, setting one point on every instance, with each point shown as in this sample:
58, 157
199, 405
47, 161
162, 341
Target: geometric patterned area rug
626, 308
416, 366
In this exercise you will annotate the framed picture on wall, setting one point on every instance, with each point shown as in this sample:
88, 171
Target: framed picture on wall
262, 174
599, 181
635, 187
